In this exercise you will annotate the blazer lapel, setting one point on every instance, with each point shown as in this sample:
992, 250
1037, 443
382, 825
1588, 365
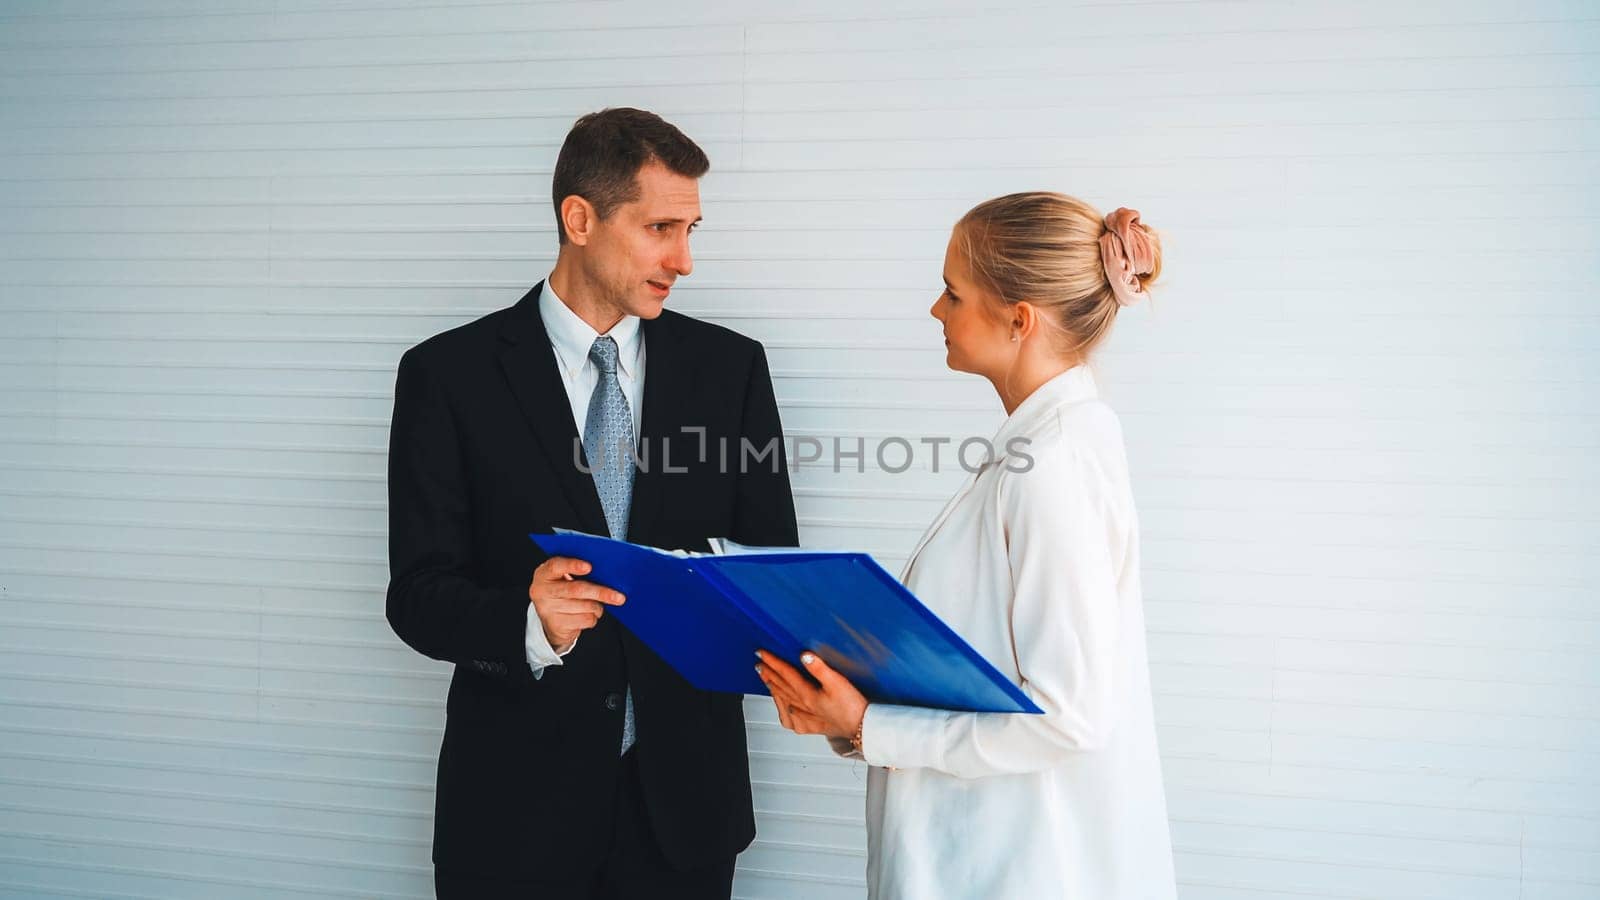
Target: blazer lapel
668, 393
530, 368
938, 523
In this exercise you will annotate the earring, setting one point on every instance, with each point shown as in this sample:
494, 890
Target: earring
1013, 337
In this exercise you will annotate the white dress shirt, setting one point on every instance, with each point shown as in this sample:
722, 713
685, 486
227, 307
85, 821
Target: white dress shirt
570, 338
1039, 571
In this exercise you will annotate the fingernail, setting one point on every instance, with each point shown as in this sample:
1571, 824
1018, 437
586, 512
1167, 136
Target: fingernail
807, 658
758, 667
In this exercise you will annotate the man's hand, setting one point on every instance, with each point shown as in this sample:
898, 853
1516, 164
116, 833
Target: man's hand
567, 608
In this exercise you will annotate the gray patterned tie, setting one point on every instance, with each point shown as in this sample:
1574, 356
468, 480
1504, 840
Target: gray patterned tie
608, 442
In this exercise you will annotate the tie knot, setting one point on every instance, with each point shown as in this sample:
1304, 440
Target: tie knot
604, 354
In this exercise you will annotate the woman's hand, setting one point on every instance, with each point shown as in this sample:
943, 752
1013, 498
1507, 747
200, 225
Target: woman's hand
835, 709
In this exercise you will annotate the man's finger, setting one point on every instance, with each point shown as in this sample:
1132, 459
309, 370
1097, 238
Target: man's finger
567, 606
581, 619
588, 590
557, 568
577, 620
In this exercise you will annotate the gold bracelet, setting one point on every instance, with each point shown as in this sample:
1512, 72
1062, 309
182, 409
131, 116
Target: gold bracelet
855, 740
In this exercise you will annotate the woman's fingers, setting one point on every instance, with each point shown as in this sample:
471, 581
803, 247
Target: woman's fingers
778, 689
782, 692
794, 713
793, 678
798, 705
803, 707
843, 705
776, 666
824, 673
775, 685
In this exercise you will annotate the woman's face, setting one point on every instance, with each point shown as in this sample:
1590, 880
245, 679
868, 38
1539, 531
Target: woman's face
977, 336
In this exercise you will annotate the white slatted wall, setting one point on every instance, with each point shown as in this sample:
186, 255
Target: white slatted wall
1361, 415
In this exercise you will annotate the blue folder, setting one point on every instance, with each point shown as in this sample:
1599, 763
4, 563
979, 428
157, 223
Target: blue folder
707, 615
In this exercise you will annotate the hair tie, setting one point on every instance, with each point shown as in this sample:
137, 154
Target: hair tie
1126, 253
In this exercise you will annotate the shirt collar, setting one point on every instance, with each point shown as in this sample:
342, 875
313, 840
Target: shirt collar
1075, 385
571, 336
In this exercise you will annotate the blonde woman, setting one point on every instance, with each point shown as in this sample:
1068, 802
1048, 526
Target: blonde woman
1036, 563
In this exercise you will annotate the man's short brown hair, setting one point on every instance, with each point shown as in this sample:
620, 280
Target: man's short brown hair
603, 153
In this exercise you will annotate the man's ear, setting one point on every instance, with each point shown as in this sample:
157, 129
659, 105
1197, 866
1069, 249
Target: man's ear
579, 218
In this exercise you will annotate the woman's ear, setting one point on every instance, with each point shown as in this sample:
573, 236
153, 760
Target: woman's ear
578, 217
1024, 319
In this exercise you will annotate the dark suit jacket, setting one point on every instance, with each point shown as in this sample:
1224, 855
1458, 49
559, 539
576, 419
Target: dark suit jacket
481, 454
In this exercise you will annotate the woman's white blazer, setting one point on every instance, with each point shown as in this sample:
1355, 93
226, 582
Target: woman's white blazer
1035, 562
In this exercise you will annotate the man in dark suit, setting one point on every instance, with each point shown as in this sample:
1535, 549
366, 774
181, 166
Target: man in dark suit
575, 762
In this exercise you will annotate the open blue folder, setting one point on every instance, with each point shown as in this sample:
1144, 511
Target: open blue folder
707, 615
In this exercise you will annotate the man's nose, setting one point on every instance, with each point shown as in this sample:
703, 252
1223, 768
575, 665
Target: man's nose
681, 260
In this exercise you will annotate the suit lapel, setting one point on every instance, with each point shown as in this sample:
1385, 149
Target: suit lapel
668, 391
529, 364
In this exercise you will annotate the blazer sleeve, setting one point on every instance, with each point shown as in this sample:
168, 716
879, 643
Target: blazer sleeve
1065, 627
763, 513
432, 604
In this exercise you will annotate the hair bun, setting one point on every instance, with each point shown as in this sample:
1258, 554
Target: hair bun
1131, 255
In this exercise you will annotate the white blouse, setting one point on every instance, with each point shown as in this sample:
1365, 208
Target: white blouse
1035, 562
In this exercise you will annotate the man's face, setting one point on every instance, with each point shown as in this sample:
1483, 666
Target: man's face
635, 255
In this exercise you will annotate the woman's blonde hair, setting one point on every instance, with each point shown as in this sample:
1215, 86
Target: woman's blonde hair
1046, 248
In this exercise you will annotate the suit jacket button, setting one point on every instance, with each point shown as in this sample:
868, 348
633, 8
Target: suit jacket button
613, 701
